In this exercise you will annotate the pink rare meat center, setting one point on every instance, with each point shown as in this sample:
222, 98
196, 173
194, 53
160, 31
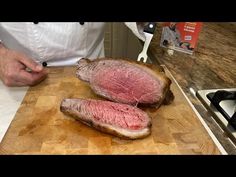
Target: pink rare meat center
119, 115
129, 85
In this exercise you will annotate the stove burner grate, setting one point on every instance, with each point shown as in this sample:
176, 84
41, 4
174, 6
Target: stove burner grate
219, 96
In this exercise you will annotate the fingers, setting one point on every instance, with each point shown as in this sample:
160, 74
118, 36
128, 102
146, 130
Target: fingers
12, 83
24, 78
34, 77
17, 84
31, 78
16, 75
30, 63
13, 69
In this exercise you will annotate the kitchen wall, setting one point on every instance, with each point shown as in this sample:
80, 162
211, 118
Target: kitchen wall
120, 42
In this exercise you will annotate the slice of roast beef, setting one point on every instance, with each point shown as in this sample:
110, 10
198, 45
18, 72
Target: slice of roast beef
125, 81
117, 119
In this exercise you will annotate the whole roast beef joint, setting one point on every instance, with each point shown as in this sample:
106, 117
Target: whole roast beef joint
125, 81
126, 85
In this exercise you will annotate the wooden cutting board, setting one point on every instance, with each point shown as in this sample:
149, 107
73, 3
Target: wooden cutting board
40, 128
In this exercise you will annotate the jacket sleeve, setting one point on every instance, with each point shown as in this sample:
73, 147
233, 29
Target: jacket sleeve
137, 29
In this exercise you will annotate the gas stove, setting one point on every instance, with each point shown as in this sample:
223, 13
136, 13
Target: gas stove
221, 103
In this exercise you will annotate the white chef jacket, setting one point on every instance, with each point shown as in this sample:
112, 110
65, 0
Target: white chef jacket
58, 44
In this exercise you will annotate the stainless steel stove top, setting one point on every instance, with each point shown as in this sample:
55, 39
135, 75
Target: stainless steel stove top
222, 105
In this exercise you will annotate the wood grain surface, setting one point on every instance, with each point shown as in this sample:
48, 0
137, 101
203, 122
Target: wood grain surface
40, 128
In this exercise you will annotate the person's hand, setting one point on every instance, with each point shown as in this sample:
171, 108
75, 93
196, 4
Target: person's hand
13, 67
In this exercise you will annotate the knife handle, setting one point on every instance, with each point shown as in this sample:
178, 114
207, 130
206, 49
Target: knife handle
150, 27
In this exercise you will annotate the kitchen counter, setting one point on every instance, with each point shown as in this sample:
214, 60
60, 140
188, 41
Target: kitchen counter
212, 65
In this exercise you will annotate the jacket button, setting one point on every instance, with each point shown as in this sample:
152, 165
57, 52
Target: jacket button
82, 23
44, 64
